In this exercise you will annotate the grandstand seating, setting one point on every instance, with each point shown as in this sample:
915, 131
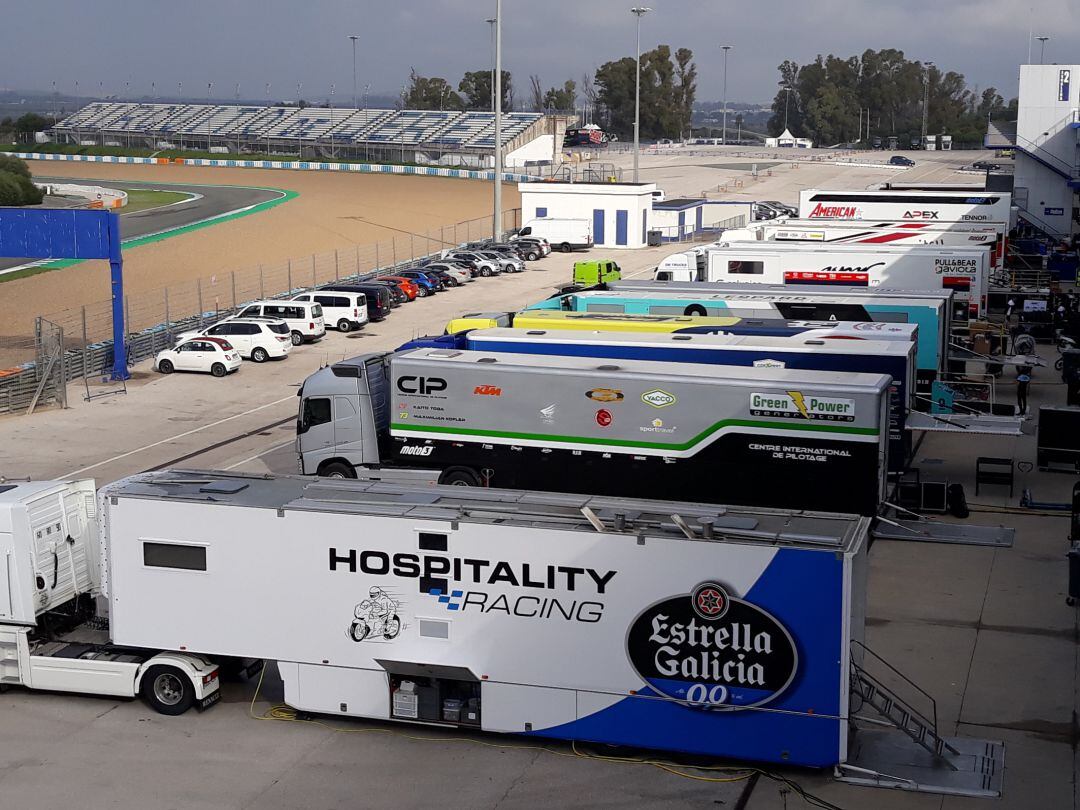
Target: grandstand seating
443, 128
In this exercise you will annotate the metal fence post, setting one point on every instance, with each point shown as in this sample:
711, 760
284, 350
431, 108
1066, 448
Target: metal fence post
232, 277
337, 266
262, 284
376, 257
168, 321
198, 285
412, 247
314, 278
290, 275
394, 246
85, 344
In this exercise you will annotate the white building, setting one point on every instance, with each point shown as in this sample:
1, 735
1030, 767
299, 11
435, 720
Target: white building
620, 213
1048, 147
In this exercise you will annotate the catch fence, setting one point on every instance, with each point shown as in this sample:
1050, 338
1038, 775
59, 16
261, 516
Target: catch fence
155, 317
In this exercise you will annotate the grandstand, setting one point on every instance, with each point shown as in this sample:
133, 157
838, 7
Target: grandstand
445, 137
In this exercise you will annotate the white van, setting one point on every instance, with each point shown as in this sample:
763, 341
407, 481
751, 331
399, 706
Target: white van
563, 234
305, 318
344, 311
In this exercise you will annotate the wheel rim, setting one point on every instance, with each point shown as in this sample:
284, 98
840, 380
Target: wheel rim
218, 370
343, 326
165, 367
296, 339
168, 689
336, 474
259, 355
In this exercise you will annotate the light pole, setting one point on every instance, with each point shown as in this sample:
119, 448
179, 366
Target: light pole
491, 24
723, 139
180, 98
787, 102
639, 12
354, 37
1042, 49
209, 89
925, 102
268, 128
496, 220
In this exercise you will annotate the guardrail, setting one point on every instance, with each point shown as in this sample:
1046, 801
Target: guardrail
296, 165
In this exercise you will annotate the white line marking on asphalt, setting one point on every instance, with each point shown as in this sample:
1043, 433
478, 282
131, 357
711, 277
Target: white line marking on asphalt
179, 436
260, 455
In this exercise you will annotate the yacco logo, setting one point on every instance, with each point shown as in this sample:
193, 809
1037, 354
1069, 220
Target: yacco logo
658, 398
922, 215
712, 651
487, 391
797, 405
835, 212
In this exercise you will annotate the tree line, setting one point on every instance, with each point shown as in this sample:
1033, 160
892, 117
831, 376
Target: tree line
668, 89
822, 100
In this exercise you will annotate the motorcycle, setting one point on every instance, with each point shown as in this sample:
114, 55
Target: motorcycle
370, 622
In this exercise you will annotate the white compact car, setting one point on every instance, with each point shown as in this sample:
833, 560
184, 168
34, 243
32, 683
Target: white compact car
213, 355
459, 274
257, 339
508, 263
344, 311
305, 318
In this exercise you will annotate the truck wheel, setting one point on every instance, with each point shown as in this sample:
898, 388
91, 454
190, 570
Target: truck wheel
695, 309
167, 690
344, 326
460, 477
337, 469
259, 354
565, 247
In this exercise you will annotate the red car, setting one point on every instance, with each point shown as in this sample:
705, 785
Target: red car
410, 288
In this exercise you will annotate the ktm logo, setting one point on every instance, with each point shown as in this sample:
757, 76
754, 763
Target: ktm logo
487, 391
922, 215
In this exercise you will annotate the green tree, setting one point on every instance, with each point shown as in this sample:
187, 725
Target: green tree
475, 90
14, 165
32, 122
434, 93
664, 105
561, 98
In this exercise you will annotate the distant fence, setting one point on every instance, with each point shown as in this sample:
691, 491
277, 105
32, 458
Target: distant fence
299, 165
154, 318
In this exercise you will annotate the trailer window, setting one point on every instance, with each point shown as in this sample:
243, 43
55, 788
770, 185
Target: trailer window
743, 268
174, 555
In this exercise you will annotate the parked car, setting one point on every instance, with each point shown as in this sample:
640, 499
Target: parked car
379, 298
256, 339
445, 278
901, 160
534, 248
511, 249
398, 294
344, 311
398, 283
784, 208
430, 281
485, 267
305, 318
460, 275
212, 355
510, 264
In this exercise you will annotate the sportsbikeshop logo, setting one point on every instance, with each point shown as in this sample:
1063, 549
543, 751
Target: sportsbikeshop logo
796, 405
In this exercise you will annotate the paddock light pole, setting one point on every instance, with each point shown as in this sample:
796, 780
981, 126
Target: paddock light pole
496, 220
639, 12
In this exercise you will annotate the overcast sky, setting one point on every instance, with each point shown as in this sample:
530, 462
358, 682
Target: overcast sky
259, 41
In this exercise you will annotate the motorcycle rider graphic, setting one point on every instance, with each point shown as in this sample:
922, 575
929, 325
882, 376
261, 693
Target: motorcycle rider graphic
376, 615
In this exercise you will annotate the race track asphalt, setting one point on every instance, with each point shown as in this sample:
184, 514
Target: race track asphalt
214, 201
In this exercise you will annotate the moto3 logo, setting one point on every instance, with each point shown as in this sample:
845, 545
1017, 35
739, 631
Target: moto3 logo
417, 450
922, 215
421, 385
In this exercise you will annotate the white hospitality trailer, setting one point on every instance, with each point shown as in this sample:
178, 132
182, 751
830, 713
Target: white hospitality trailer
719, 631
791, 264
907, 205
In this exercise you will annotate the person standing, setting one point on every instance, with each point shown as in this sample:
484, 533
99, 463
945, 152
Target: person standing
1009, 310
1023, 382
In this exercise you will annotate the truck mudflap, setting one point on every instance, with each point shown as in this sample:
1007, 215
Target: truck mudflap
209, 700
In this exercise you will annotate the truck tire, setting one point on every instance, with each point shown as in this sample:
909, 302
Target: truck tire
460, 477
695, 309
167, 690
337, 469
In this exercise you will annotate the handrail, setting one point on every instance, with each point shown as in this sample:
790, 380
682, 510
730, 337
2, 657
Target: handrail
923, 692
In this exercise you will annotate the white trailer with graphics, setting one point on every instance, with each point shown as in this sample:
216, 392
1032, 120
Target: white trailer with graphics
54, 548
681, 431
907, 205
964, 271
714, 630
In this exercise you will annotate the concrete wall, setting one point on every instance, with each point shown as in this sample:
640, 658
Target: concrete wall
97, 196
620, 213
541, 148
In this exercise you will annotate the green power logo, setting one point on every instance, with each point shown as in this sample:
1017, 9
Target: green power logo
798, 405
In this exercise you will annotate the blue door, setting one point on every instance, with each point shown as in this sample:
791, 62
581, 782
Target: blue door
598, 226
700, 211
682, 224
620, 227
541, 213
644, 227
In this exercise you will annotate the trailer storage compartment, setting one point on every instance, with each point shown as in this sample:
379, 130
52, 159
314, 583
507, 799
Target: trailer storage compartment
714, 630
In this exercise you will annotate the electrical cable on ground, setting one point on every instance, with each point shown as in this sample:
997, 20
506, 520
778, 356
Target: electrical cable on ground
284, 713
